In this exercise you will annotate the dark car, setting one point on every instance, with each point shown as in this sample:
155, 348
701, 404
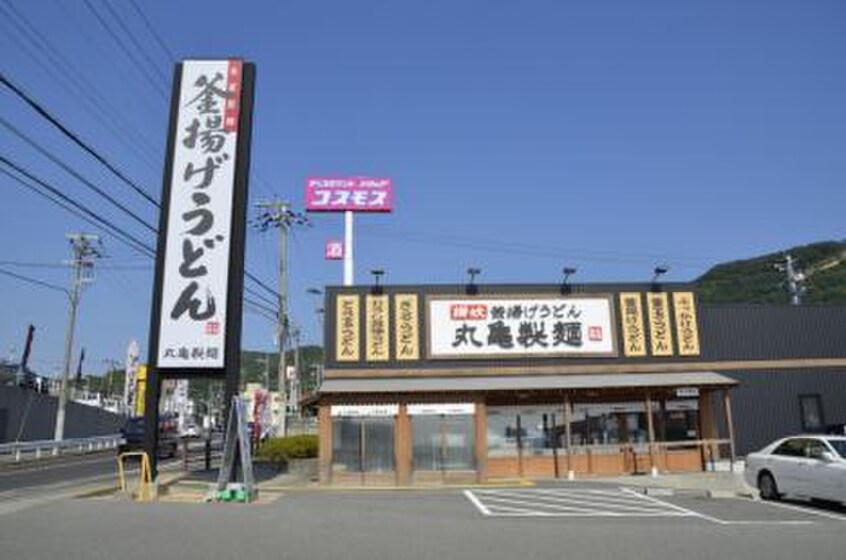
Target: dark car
133, 435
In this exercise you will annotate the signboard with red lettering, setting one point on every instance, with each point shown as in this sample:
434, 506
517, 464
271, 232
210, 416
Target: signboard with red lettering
199, 275
519, 327
354, 194
334, 250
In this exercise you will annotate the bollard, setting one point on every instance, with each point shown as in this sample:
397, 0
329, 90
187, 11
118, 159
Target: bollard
208, 454
17, 455
184, 455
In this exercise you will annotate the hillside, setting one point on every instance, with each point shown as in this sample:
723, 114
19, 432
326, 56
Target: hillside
757, 280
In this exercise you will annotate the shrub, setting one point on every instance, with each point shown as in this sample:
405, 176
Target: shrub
281, 450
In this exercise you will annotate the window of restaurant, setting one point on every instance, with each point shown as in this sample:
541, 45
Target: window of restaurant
363, 438
525, 440
443, 437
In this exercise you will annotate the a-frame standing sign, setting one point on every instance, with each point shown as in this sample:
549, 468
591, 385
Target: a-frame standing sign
236, 440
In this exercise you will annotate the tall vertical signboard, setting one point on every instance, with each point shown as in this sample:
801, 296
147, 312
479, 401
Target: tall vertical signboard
195, 325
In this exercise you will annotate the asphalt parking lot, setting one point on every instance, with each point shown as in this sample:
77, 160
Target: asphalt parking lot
564, 521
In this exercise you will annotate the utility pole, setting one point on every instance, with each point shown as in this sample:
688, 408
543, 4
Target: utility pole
278, 214
84, 254
795, 279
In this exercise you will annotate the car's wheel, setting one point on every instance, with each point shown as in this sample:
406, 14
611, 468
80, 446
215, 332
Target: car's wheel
767, 487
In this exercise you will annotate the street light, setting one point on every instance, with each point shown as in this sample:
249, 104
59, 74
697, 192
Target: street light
658, 271
472, 289
568, 271
377, 274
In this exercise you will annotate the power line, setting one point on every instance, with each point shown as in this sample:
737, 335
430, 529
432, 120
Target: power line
127, 51
33, 281
526, 249
59, 203
135, 42
127, 238
21, 264
41, 110
40, 149
81, 89
152, 31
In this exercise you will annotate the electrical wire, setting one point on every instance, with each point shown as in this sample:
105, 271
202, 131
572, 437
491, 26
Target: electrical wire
138, 46
94, 103
46, 114
152, 31
128, 52
125, 237
33, 281
43, 151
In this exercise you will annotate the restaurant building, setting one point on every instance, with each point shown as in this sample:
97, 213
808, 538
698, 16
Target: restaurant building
472, 383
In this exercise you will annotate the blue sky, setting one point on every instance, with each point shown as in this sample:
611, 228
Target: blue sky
521, 137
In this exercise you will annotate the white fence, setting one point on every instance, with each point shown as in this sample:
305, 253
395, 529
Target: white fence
38, 449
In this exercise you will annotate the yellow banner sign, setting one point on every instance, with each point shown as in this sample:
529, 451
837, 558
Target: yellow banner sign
687, 328
659, 324
140, 389
406, 333
634, 332
346, 328
377, 337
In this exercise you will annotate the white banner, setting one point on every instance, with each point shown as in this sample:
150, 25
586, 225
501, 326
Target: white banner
359, 410
196, 263
516, 327
450, 409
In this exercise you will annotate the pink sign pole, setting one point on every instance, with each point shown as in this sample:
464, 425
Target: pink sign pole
348, 248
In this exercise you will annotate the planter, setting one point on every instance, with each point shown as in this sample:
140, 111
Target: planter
303, 468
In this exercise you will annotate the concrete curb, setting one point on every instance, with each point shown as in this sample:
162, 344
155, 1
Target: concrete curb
711, 493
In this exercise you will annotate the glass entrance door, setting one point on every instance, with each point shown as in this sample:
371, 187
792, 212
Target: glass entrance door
442, 443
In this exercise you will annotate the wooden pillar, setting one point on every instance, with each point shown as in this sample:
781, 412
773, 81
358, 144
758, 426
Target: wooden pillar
324, 450
650, 428
481, 439
568, 435
707, 426
402, 446
729, 425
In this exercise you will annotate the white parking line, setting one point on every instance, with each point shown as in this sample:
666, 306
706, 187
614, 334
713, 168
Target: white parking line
475, 501
568, 503
543, 498
591, 503
809, 510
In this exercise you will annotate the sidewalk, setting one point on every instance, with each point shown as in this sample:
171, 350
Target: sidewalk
719, 484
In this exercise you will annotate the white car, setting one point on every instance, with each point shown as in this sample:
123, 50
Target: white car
806, 466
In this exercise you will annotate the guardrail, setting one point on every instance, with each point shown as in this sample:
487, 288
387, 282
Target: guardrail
39, 449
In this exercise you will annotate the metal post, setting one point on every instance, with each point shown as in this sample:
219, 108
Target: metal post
730, 426
653, 468
568, 434
83, 253
295, 382
348, 248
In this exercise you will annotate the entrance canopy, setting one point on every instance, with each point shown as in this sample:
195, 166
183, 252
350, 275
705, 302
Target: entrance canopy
528, 382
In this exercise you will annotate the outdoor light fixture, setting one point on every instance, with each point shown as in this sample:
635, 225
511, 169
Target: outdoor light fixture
377, 273
659, 271
472, 289
568, 271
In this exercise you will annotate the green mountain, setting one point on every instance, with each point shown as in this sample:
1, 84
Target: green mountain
759, 280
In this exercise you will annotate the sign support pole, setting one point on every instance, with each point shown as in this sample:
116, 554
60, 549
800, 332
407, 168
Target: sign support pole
348, 248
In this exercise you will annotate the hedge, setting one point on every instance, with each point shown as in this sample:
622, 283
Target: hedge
282, 449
